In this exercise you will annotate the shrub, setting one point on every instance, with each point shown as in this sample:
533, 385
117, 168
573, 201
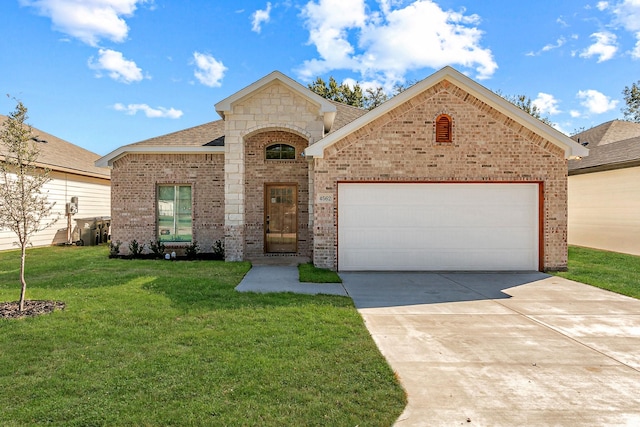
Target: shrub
191, 251
135, 248
114, 248
157, 247
218, 249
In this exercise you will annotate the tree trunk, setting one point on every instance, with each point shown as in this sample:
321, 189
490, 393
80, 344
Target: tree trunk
22, 281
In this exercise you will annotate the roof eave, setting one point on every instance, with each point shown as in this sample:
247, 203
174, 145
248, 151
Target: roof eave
109, 159
605, 167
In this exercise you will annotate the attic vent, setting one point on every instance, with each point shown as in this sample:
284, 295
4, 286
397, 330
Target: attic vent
443, 128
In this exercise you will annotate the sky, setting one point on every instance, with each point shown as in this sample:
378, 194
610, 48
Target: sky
106, 73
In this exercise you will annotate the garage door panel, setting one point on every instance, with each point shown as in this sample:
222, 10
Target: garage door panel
447, 238
411, 216
438, 226
441, 260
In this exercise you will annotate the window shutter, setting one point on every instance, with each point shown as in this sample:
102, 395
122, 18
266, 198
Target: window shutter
443, 129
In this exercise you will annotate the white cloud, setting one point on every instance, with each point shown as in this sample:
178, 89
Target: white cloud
328, 22
386, 44
575, 114
604, 48
132, 109
88, 20
116, 66
559, 43
546, 48
596, 102
635, 53
209, 71
259, 17
546, 103
627, 14
602, 5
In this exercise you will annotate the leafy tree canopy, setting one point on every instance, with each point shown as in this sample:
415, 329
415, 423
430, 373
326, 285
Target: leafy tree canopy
354, 95
632, 99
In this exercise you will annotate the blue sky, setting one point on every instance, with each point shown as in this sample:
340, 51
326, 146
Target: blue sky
105, 73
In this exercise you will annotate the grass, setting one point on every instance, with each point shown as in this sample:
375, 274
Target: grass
309, 273
159, 343
607, 270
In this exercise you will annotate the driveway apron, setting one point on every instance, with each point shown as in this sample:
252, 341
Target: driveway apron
504, 349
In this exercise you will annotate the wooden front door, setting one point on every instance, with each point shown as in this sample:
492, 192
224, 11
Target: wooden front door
281, 218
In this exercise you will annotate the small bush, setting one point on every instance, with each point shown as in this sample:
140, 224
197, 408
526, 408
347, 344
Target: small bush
136, 248
114, 248
192, 250
218, 249
157, 248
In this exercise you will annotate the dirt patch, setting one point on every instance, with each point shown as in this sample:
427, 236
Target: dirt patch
32, 308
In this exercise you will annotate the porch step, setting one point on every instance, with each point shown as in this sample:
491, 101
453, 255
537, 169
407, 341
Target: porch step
284, 260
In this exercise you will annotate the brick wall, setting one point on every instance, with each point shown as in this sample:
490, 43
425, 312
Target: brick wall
134, 180
259, 172
487, 146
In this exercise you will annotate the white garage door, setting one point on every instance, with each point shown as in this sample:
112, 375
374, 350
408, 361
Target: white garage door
437, 226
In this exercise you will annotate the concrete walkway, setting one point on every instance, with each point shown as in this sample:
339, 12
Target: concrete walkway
284, 278
495, 349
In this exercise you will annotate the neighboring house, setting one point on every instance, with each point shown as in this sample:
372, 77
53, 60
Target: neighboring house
73, 174
446, 175
604, 189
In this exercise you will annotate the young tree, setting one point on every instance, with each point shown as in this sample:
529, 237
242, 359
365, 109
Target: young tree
24, 208
632, 99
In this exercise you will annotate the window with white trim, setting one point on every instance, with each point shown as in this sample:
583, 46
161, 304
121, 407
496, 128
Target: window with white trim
174, 213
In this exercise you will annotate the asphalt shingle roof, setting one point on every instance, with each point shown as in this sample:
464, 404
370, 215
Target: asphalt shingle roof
61, 155
612, 145
212, 133
197, 136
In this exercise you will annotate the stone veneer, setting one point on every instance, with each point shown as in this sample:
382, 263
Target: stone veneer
134, 181
259, 172
275, 107
487, 147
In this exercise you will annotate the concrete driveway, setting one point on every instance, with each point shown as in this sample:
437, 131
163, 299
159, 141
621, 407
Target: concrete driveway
504, 349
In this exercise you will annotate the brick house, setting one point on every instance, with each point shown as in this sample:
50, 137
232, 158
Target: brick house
446, 175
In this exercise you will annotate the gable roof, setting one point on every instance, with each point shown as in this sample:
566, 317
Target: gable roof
570, 147
608, 132
325, 108
60, 155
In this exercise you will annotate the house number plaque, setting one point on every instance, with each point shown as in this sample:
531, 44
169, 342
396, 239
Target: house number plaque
325, 198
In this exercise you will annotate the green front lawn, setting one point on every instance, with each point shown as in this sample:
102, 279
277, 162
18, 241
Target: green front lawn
607, 270
160, 343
